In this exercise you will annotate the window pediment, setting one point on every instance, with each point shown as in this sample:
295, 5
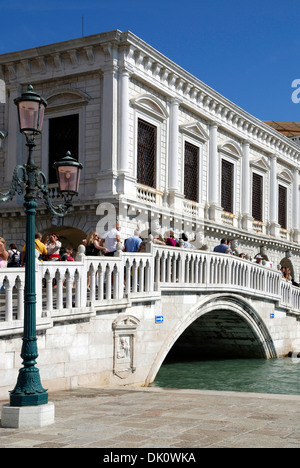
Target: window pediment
231, 148
285, 176
126, 323
194, 130
260, 164
67, 97
151, 106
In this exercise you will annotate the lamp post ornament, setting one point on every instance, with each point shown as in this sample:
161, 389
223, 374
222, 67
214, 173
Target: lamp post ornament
29, 179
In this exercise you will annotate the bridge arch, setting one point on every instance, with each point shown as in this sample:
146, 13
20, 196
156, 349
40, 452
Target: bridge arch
228, 318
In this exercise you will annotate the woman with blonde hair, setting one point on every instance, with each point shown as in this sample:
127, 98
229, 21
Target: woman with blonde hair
3, 253
93, 246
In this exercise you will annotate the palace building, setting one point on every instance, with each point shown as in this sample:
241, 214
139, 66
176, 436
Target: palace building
160, 150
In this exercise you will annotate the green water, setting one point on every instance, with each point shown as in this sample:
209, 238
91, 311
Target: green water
281, 376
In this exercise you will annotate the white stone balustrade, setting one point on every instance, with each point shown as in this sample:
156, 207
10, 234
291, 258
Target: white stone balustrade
91, 284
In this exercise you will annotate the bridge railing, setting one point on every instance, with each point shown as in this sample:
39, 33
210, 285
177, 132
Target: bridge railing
212, 271
80, 288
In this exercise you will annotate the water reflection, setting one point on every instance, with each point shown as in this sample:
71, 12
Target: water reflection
281, 376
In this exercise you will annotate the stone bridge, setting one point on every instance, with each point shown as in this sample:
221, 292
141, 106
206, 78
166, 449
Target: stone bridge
107, 321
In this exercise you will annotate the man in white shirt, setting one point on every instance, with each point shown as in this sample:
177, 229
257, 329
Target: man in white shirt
110, 240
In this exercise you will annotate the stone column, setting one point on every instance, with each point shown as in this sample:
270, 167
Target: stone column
14, 147
274, 226
173, 146
108, 132
245, 190
215, 210
295, 207
173, 188
124, 120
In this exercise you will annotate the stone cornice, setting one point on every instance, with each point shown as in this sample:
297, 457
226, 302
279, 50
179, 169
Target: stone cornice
124, 49
170, 78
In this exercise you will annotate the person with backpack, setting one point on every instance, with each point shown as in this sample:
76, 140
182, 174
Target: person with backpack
14, 257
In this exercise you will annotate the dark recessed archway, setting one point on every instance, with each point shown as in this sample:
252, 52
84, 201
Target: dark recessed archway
68, 236
218, 334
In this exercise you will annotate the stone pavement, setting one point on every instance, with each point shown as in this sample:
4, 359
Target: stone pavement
163, 418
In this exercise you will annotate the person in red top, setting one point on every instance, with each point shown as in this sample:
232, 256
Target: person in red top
53, 247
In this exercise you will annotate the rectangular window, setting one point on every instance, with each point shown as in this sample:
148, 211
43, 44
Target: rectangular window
282, 206
257, 197
63, 137
146, 154
191, 172
227, 186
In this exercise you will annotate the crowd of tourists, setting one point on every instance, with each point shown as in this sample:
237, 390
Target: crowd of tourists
51, 249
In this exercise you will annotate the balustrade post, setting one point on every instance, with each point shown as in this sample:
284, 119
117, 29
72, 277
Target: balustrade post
108, 282
39, 283
157, 268
83, 275
69, 284
141, 277
9, 300
174, 268
127, 277
92, 274
116, 282
20, 293
77, 280
59, 290
134, 277
49, 291
100, 283
120, 266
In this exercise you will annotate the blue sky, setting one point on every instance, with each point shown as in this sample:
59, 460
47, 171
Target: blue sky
247, 51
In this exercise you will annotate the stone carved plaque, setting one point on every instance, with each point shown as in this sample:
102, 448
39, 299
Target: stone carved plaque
124, 329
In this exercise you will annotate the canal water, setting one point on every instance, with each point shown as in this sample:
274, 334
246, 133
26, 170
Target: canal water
281, 376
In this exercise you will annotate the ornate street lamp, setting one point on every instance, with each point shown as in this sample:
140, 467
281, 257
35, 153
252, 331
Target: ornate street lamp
29, 179
68, 175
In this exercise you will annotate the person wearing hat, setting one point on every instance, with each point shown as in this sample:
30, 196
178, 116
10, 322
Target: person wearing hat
53, 246
258, 259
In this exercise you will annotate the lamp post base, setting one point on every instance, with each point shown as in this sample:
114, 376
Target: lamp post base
28, 390
15, 417
36, 399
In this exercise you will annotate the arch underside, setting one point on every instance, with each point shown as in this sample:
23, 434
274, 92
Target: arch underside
218, 334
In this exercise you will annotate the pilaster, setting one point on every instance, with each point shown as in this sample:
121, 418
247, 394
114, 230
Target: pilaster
295, 207
108, 147
247, 219
215, 210
274, 226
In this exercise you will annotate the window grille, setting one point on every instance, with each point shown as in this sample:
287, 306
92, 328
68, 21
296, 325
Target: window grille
191, 172
257, 197
282, 206
146, 154
63, 137
227, 186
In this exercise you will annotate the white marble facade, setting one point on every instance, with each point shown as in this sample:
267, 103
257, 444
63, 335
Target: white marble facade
111, 81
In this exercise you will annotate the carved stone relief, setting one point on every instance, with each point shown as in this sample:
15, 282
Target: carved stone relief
124, 329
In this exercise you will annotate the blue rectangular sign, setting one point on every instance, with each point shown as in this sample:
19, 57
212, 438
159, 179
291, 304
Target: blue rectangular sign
159, 319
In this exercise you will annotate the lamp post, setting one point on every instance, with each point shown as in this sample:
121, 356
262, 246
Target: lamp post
29, 179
